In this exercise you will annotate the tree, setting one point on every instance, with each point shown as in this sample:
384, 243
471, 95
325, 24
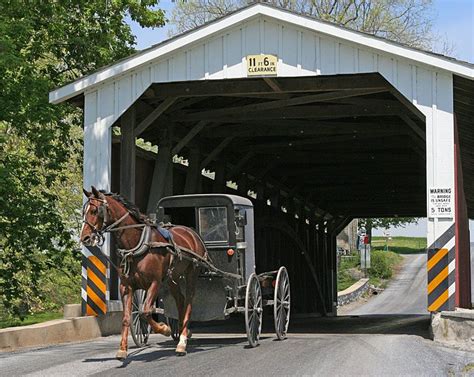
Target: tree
385, 223
45, 44
404, 21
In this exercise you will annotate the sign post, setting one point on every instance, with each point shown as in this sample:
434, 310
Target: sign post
364, 253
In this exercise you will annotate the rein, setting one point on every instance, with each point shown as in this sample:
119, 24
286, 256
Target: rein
126, 255
144, 245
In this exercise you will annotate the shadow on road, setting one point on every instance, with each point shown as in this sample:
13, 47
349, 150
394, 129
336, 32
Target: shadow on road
163, 350
219, 334
413, 324
410, 324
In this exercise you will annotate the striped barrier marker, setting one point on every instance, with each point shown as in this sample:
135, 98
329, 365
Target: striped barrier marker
441, 272
94, 282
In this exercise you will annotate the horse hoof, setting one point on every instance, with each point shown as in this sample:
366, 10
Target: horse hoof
121, 355
167, 332
180, 353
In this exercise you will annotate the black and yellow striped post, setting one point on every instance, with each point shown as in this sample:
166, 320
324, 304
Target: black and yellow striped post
442, 272
94, 282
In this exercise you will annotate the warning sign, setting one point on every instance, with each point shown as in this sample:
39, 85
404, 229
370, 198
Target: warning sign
441, 202
262, 65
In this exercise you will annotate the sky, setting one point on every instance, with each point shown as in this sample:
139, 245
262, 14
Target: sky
453, 22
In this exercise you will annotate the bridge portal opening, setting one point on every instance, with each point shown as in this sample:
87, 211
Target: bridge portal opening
312, 153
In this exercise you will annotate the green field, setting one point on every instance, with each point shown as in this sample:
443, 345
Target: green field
383, 263
400, 245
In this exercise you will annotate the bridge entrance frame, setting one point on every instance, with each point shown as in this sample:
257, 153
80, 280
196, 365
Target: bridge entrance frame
396, 100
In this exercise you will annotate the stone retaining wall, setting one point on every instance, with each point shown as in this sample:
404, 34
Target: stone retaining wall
454, 328
353, 292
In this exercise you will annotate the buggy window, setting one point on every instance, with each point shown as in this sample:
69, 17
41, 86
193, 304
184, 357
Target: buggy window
213, 224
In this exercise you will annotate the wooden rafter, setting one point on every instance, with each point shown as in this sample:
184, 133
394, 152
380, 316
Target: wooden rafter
215, 152
304, 128
191, 134
299, 112
278, 104
143, 125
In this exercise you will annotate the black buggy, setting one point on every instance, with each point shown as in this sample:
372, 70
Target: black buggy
228, 282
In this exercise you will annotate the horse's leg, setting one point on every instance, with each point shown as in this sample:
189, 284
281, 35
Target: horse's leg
151, 295
126, 293
191, 280
179, 299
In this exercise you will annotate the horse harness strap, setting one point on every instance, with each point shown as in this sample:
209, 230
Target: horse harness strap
144, 245
178, 253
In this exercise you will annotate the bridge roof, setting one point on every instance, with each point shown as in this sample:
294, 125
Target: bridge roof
381, 45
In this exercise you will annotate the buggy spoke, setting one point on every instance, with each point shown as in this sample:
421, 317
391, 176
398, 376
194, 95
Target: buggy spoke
140, 329
281, 302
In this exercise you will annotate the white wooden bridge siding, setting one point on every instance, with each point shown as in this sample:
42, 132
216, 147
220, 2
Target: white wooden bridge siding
300, 52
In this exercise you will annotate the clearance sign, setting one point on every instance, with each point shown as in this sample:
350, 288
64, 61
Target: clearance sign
261, 65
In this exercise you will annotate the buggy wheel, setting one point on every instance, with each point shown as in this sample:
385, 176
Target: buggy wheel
139, 327
174, 325
281, 303
253, 310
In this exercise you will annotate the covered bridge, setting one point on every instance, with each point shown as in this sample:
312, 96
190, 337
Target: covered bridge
318, 123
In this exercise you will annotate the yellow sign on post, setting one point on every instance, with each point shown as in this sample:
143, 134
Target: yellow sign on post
262, 65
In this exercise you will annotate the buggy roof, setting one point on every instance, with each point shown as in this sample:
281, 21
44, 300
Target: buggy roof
203, 200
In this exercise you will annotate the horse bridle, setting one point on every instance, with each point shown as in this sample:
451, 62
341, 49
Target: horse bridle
102, 212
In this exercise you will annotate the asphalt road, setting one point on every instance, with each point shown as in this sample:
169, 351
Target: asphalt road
405, 294
351, 345
345, 346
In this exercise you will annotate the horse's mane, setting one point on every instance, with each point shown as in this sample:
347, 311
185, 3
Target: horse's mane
129, 206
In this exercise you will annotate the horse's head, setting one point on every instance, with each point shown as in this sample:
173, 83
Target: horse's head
95, 217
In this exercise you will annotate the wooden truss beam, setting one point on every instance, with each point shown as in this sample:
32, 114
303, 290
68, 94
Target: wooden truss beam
414, 127
127, 154
303, 128
301, 145
342, 141
240, 164
191, 134
278, 104
299, 112
232, 87
394, 168
162, 107
215, 152
336, 157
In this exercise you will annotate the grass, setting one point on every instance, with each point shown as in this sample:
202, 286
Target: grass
468, 368
344, 277
344, 280
383, 264
400, 245
30, 320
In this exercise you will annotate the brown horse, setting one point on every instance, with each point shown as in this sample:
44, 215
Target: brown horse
107, 212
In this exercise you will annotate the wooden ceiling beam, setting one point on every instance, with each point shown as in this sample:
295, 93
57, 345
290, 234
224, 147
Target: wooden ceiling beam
298, 146
302, 100
232, 87
344, 141
299, 112
346, 170
302, 128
